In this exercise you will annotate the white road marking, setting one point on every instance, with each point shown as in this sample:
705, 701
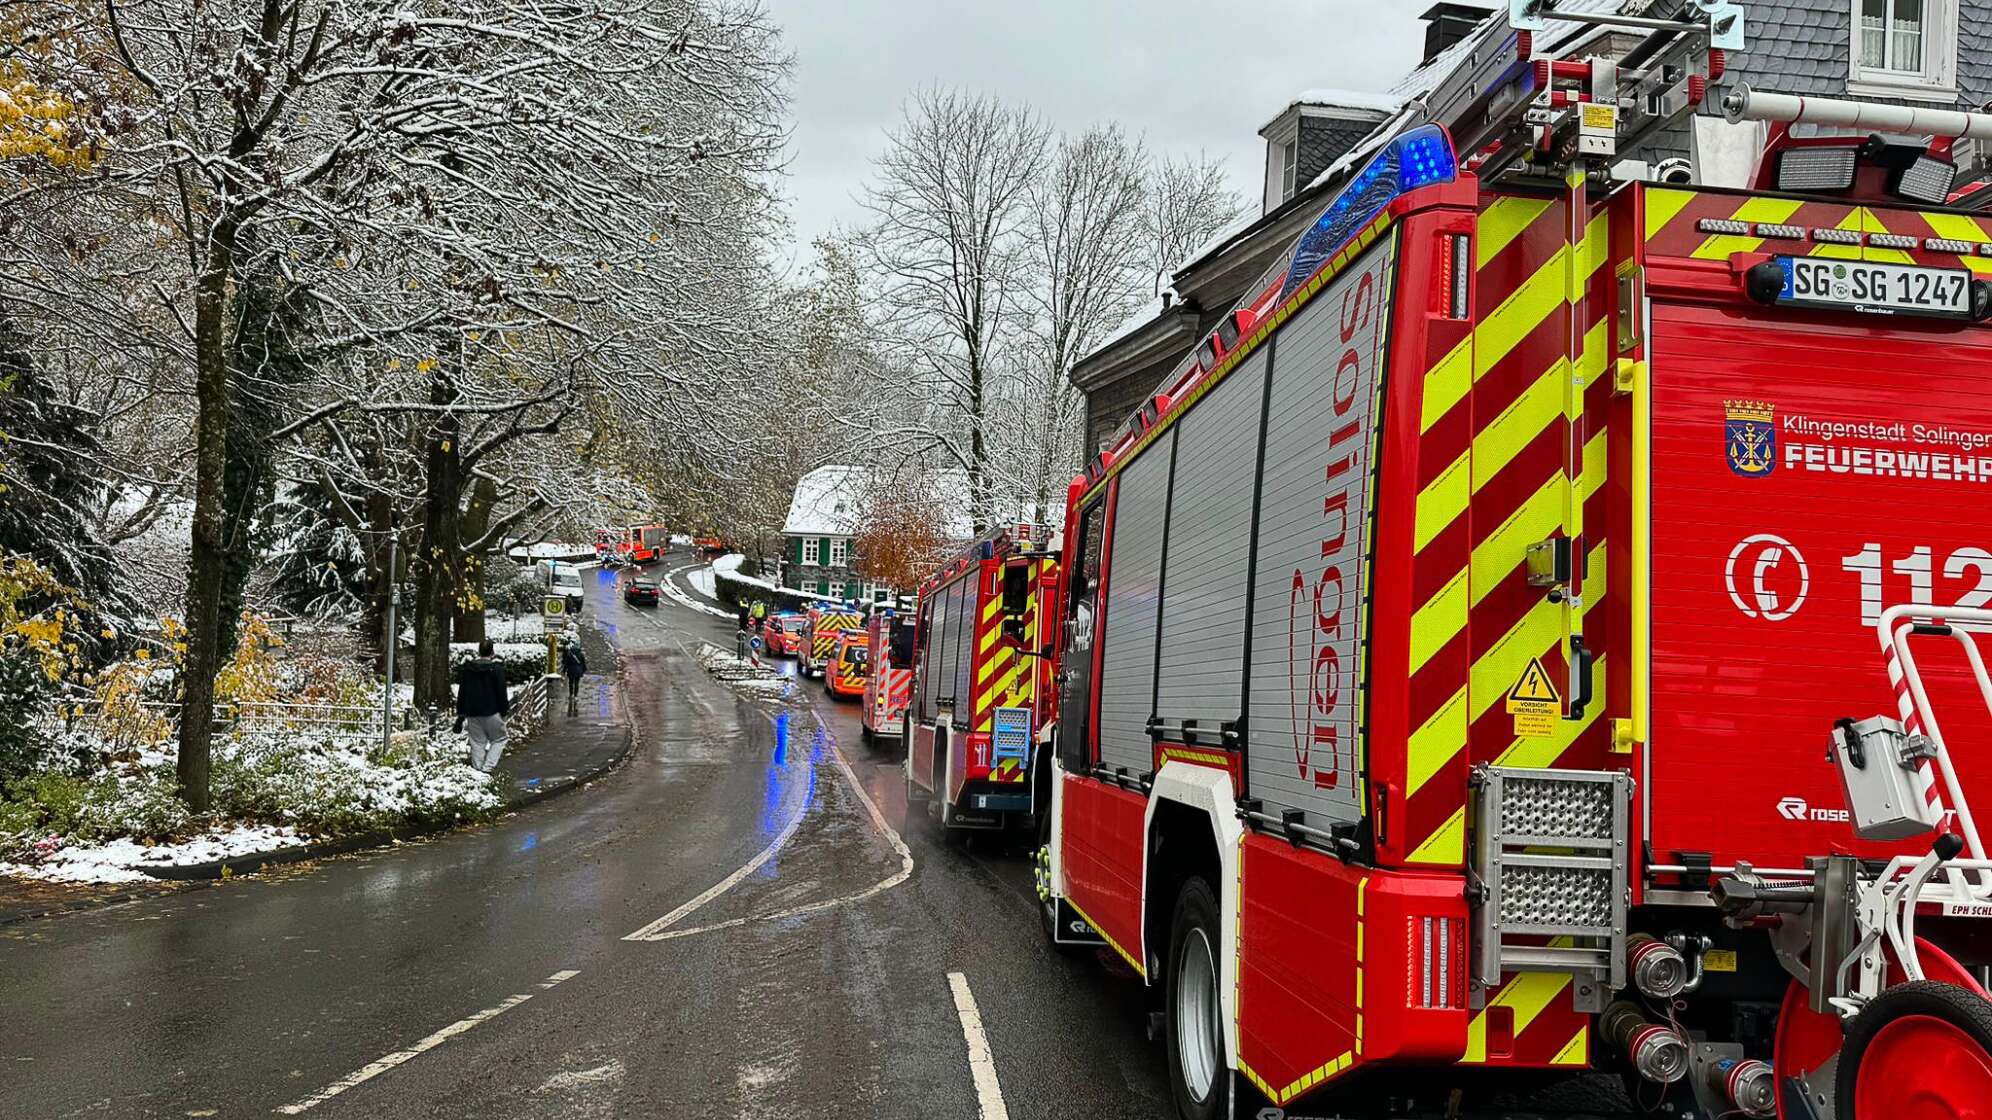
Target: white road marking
660, 930
374, 1069
655, 931
981, 1065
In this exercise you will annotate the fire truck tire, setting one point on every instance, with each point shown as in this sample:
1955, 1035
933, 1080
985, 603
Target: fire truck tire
1918, 1051
1197, 1072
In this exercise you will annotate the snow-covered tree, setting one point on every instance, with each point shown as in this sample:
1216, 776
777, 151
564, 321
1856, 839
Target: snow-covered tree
951, 196
522, 205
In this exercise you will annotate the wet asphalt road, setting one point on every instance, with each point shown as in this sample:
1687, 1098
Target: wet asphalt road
266, 992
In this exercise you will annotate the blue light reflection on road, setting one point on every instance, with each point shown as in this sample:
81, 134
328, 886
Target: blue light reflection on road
787, 783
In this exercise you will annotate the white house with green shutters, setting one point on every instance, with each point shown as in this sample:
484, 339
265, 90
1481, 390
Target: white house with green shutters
824, 520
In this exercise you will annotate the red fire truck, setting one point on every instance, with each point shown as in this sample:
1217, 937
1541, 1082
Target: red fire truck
981, 685
821, 625
642, 544
1471, 656
889, 688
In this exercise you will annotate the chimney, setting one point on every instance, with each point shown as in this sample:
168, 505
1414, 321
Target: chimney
1446, 24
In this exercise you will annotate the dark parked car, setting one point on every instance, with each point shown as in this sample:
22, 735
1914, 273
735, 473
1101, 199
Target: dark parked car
640, 591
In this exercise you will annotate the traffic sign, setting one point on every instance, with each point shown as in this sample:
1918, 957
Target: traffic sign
554, 606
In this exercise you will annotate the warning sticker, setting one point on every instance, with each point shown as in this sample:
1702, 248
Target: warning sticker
1534, 703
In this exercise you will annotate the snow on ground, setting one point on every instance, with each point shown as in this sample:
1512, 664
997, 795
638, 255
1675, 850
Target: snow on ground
704, 580
552, 550
741, 674
285, 786
123, 860
677, 594
732, 572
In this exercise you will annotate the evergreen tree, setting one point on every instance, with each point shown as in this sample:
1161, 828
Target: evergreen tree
48, 480
318, 567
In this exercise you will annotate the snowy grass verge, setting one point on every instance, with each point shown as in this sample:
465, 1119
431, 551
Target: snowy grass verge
742, 674
270, 789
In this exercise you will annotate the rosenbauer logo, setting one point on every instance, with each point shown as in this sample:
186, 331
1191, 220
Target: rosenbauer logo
1797, 809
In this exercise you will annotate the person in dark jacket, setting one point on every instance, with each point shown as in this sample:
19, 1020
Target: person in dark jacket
573, 663
482, 705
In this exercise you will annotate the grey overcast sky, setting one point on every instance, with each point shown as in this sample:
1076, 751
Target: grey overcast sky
1186, 74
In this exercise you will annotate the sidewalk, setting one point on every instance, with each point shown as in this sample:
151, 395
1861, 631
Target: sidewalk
578, 748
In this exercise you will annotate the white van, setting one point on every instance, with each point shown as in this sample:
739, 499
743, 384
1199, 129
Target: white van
563, 580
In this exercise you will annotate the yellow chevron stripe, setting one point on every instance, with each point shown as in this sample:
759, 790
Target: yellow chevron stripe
1871, 223
1526, 994
1332, 1069
1009, 679
1494, 672
1535, 300
1362, 889
1438, 621
1537, 519
992, 608
1442, 501
1447, 845
1435, 743
1719, 246
988, 639
1506, 220
1958, 227
990, 665
1446, 383
1831, 251
1663, 207
1577, 1051
1191, 754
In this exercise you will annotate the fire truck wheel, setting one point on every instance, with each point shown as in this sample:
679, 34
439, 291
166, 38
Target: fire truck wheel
1919, 1051
1196, 1014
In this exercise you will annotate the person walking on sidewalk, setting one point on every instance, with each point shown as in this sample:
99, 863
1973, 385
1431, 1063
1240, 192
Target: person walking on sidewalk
482, 705
573, 663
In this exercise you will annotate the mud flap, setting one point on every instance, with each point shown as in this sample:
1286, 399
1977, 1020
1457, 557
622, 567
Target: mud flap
1071, 929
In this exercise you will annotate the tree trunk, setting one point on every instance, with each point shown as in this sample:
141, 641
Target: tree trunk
437, 575
208, 554
470, 596
978, 449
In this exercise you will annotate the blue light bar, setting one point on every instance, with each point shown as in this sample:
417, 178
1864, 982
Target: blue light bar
1419, 158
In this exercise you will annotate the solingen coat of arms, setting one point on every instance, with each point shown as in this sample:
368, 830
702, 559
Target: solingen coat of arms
1749, 437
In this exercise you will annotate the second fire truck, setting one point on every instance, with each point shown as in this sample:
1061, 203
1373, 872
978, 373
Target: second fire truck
1483, 656
889, 687
980, 684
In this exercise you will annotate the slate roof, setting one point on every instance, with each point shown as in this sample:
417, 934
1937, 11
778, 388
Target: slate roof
1803, 46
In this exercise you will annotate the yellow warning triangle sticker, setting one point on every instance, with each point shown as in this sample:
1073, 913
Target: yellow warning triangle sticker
1534, 686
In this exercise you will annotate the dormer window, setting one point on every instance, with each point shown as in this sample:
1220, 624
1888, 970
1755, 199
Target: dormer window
1289, 164
1905, 49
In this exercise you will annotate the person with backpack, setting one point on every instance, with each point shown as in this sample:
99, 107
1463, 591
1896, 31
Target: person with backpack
573, 663
482, 705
